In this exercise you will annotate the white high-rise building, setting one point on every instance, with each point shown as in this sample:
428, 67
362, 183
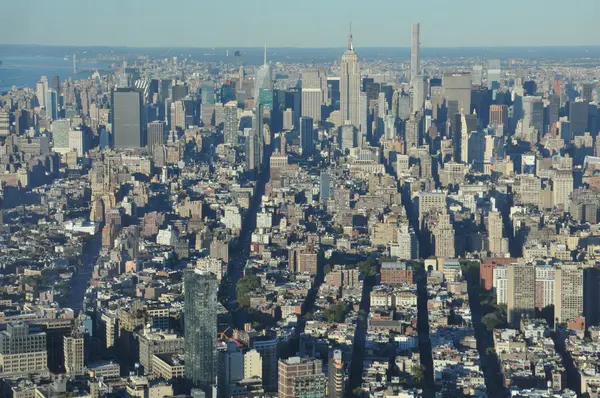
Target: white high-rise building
41, 88
500, 283
350, 86
77, 141
415, 67
314, 92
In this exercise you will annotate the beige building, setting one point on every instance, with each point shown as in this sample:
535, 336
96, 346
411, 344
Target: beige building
443, 237
252, 364
496, 241
74, 356
168, 366
562, 188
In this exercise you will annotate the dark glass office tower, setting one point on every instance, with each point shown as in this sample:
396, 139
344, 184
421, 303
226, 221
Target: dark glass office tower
56, 85
128, 128
200, 327
307, 139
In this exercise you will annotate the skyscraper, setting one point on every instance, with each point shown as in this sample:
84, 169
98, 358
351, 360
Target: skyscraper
56, 84
578, 116
255, 142
41, 88
496, 241
457, 87
200, 327
468, 125
311, 103
307, 141
127, 127
51, 104
521, 292
314, 92
415, 67
350, 86
264, 77
231, 124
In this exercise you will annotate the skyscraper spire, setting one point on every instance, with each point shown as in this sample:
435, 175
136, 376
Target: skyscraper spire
265, 52
350, 44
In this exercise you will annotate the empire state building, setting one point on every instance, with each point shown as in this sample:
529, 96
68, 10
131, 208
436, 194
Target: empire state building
350, 86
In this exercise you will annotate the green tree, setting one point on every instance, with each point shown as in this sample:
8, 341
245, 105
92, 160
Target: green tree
337, 312
418, 375
368, 267
493, 320
246, 285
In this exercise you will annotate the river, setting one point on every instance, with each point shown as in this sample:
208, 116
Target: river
25, 71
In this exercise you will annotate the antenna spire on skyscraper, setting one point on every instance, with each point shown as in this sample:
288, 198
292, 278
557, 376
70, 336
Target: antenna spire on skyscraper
350, 44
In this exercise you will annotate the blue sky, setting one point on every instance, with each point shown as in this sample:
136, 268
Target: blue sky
298, 23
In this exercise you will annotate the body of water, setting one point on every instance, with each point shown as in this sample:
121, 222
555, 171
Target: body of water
25, 71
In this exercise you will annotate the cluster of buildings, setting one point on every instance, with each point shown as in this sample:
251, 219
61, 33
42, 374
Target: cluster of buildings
176, 229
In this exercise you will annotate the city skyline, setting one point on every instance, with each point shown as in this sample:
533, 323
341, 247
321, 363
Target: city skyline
293, 222
479, 25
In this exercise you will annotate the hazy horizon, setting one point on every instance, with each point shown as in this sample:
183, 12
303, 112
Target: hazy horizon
295, 47
314, 24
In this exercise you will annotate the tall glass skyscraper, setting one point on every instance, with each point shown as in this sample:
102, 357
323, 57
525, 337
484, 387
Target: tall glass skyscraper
200, 327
